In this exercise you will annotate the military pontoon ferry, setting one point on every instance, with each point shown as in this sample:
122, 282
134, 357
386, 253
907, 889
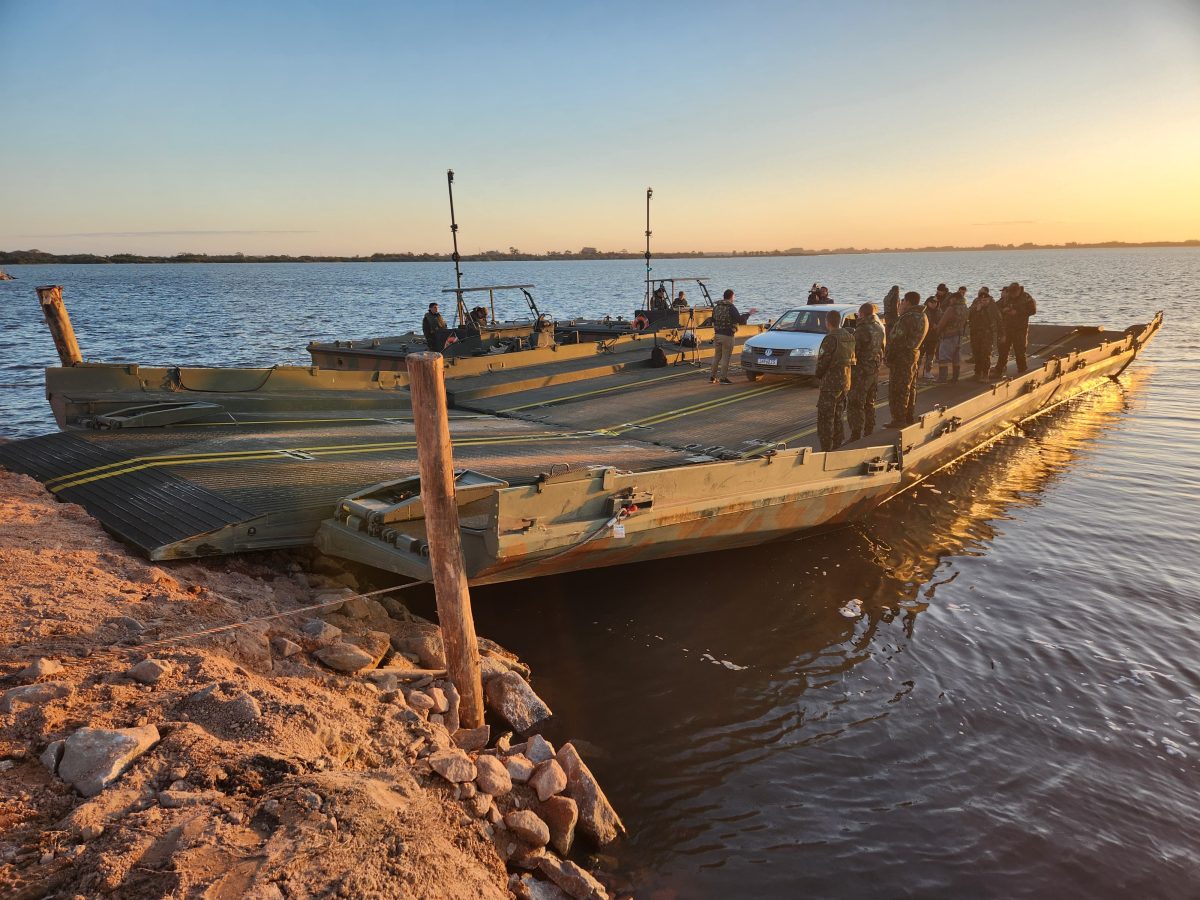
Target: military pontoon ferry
570, 457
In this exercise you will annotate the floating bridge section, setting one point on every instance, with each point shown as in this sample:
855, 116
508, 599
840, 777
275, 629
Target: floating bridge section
199, 462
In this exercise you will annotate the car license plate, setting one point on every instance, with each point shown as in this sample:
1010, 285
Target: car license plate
764, 361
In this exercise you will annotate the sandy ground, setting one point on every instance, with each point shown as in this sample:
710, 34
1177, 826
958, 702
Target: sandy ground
273, 776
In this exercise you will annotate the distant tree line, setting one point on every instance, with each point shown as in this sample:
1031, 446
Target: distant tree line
34, 257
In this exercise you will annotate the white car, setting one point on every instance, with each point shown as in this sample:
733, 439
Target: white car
789, 347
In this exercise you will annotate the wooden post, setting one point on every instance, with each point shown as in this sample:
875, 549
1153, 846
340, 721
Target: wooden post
60, 324
445, 540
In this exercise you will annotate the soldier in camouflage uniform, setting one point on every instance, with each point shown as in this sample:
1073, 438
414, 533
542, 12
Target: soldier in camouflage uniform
869, 343
834, 360
903, 351
1016, 306
985, 324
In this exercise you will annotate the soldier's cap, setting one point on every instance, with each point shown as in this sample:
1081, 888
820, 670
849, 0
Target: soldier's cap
942, 287
1015, 284
912, 297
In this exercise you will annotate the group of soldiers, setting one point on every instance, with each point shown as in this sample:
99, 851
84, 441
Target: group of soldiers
848, 361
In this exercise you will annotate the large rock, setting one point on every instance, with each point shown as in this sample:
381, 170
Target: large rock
93, 758
548, 779
426, 645
318, 633
149, 671
526, 887
355, 608
561, 814
538, 749
472, 739
420, 701
52, 755
454, 702
284, 647
376, 643
511, 697
597, 818
40, 668
34, 694
440, 703
520, 769
493, 777
343, 657
528, 826
571, 878
453, 765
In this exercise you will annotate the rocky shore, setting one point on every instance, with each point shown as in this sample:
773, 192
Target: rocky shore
310, 755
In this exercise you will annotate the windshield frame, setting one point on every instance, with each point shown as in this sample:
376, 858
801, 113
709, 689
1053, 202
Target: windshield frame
801, 315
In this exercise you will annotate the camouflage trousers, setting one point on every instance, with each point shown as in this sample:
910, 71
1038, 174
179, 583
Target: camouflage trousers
981, 353
831, 409
860, 403
902, 388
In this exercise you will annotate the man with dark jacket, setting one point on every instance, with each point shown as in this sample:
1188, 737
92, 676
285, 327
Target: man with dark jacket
984, 318
1016, 306
430, 325
725, 320
903, 351
869, 344
834, 361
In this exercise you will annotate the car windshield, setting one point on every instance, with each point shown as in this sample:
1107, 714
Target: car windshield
807, 321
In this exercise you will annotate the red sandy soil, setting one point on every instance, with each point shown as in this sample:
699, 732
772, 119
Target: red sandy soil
310, 788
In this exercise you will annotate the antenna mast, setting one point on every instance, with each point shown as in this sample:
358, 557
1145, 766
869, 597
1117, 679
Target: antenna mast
649, 194
454, 234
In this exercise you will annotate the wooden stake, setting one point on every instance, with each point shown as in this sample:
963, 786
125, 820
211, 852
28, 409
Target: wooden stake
436, 464
60, 324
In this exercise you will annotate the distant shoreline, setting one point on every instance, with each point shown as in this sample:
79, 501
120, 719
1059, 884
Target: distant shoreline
38, 257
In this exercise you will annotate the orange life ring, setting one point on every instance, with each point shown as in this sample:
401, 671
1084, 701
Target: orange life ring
640, 322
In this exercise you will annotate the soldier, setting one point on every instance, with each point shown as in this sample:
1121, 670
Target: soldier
1016, 306
951, 325
933, 311
903, 351
984, 317
834, 360
869, 344
891, 307
430, 325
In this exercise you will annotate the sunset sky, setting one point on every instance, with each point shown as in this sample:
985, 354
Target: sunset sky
300, 127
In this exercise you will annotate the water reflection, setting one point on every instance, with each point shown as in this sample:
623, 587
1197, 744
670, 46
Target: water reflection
747, 730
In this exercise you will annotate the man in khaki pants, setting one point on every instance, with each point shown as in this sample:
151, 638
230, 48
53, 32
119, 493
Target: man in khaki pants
725, 319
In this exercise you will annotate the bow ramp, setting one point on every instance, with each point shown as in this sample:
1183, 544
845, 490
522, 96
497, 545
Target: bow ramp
184, 492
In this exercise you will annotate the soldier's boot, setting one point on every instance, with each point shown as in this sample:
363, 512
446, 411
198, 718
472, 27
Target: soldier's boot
954, 373
942, 370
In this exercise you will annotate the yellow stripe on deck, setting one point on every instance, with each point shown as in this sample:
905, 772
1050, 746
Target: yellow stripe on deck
137, 464
617, 387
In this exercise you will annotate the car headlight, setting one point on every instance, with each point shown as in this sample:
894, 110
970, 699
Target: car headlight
803, 351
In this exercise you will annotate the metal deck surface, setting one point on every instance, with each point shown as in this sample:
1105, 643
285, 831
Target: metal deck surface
160, 487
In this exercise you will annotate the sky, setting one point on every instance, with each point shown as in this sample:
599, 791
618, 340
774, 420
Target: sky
303, 127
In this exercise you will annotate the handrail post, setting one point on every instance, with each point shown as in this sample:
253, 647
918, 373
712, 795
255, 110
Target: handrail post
436, 465
55, 313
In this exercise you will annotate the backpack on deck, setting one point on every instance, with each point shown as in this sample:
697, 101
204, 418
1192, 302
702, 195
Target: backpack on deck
658, 357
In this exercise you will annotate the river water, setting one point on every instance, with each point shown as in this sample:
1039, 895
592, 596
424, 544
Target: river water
1015, 715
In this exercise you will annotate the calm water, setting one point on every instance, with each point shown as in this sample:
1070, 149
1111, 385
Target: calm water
1015, 716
